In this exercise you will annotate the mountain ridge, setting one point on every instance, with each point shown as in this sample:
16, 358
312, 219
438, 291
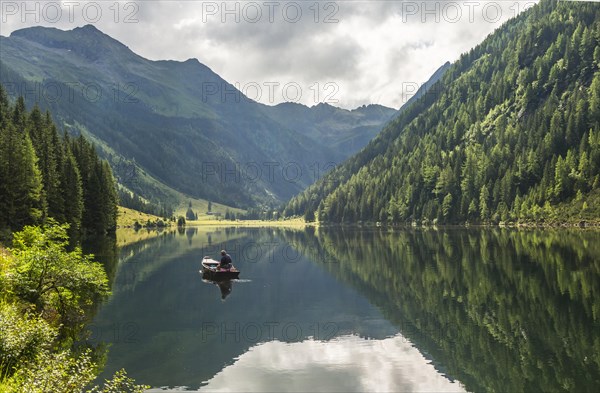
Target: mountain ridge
179, 106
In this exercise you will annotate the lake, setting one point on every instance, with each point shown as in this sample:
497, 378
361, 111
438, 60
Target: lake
333, 309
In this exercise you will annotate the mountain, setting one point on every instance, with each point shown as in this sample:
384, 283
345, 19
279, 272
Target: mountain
343, 130
512, 133
169, 125
338, 129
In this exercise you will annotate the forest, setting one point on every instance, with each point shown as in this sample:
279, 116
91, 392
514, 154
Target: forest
47, 175
511, 133
53, 190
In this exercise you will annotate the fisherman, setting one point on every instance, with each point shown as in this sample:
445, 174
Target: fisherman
226, 262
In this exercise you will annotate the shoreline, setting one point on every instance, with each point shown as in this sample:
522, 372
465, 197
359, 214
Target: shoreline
299, 223
228, 223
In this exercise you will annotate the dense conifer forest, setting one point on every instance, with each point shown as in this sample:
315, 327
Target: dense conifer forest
44, 174
510, 133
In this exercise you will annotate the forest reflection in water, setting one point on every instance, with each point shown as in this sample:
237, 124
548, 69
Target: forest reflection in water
499, 309
495, 309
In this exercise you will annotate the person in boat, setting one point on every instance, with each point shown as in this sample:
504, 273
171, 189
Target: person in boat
226, 262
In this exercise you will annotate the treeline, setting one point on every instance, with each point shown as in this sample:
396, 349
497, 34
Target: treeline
133, 201
510, 132
256, 213
44, 175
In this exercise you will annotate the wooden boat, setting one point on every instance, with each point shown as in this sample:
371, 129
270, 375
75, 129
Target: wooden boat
211, 271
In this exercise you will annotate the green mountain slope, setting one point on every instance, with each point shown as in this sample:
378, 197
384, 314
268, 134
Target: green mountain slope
179, 123
512, 131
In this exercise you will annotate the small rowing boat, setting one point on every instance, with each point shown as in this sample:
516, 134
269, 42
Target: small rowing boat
212, 271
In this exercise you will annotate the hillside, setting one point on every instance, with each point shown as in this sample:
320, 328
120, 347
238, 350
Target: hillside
512, 132
172, 127
128, 217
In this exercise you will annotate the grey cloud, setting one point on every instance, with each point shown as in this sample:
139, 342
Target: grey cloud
332, 58
398, 50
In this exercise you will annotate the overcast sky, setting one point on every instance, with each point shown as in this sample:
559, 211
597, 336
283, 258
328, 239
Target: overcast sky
346, 53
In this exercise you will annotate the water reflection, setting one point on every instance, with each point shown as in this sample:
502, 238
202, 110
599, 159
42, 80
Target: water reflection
344, 364
225, 286
501, 310
493, 309
105, 251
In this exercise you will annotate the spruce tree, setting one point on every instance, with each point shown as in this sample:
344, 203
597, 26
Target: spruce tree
71, 189
20, 180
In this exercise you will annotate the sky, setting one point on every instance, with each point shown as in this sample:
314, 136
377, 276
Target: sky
345, 53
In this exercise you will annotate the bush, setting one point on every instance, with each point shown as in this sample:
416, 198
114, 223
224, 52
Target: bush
58, 372
40, 279
56, 281
22, 337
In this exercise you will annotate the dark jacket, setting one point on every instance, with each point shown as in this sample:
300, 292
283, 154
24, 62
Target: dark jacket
225, 262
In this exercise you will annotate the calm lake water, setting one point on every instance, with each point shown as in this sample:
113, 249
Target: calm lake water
358, 310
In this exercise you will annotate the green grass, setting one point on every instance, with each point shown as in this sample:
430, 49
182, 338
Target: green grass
200, 207
128, 217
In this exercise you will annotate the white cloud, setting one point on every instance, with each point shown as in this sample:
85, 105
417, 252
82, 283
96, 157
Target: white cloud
368, 53
345, 364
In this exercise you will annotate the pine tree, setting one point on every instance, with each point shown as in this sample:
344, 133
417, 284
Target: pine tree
108, 207
54, 183
99, 193
20, 180
189, 214
4, 107
19, 115
309, 216
484, 197
447, 206
71, 189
